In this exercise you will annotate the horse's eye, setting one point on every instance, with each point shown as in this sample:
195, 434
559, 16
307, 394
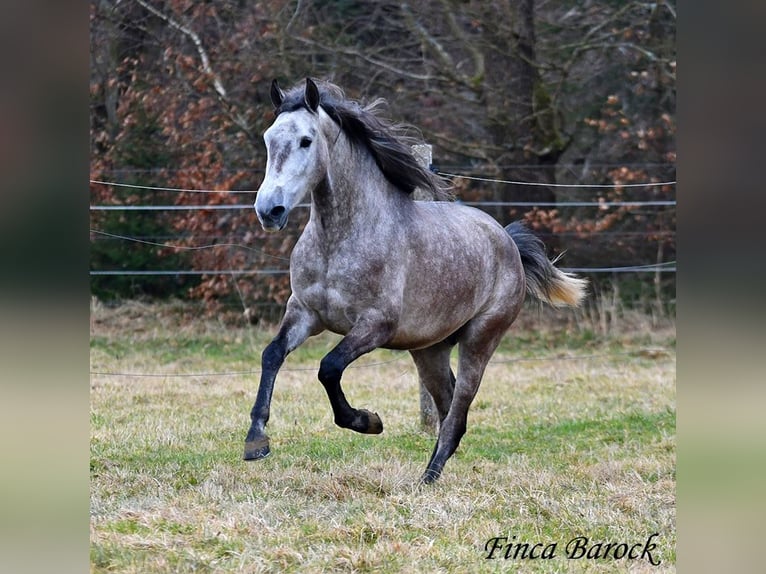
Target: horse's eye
305, 142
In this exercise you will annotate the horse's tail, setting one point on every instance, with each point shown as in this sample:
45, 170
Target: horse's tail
545, 282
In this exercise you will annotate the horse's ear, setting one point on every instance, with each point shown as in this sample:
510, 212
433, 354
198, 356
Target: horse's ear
311, 95
277, 95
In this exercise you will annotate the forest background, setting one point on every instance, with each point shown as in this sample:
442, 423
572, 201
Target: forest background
578, 93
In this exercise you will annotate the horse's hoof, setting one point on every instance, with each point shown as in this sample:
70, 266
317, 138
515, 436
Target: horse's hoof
370, 422
429, 477
257, 449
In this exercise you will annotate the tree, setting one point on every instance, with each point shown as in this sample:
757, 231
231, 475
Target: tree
197, 71
578, 93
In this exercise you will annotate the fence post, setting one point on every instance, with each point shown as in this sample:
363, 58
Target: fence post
428, 417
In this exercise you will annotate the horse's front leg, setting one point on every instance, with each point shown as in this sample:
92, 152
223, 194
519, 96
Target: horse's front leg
366, 335
297, 325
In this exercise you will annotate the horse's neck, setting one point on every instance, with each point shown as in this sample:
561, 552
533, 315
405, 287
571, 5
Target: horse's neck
354, 196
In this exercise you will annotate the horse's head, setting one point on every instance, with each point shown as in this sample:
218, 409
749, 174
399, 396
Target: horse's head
297, 157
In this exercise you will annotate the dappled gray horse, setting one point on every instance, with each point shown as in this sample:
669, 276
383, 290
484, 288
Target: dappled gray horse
384, 270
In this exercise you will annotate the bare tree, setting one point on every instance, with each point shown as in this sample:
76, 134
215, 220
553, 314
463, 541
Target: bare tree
543, 92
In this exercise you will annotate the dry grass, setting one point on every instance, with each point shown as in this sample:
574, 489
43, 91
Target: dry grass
556, 448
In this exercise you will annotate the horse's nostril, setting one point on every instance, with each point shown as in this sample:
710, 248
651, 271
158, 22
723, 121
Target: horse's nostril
277, 211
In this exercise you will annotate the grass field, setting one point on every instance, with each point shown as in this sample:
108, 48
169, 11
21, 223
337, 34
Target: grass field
572, 435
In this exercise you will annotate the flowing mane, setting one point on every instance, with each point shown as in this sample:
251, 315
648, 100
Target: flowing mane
386, 141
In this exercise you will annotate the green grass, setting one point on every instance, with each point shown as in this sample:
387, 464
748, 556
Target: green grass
556, 448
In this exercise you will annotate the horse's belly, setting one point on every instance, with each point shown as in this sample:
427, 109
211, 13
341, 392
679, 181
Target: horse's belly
420, 338
426, 329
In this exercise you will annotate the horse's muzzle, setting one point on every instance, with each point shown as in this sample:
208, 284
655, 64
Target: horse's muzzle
273, 219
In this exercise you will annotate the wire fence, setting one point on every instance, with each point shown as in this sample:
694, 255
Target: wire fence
637, 354
663, 267
236, 206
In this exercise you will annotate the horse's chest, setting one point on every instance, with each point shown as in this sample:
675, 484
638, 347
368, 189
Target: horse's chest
336, 291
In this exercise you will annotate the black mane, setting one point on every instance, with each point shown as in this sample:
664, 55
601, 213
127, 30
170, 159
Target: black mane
363, 125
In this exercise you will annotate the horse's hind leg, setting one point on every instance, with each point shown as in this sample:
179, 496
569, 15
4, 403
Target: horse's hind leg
364, 337
436, 375
477, 343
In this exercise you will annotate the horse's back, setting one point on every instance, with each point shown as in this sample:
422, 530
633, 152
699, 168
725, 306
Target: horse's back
461, 231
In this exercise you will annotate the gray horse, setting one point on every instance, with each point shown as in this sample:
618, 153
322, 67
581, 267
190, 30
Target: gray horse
384, 270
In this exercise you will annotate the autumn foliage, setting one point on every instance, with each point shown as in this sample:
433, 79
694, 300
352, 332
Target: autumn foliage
582, 94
